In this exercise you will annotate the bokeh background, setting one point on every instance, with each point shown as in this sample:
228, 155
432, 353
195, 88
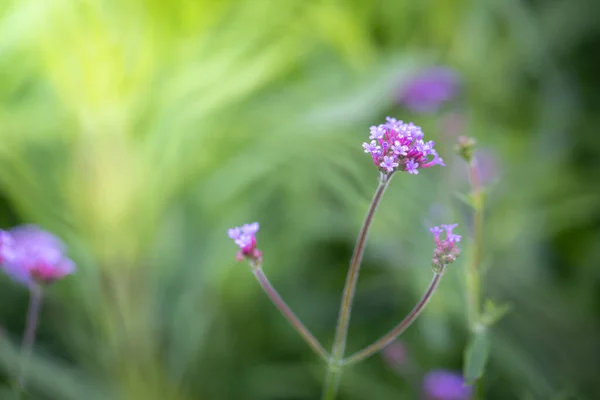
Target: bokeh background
139, 131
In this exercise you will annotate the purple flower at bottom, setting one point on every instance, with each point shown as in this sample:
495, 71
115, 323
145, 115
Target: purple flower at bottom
445, 385
427, 91
37, 256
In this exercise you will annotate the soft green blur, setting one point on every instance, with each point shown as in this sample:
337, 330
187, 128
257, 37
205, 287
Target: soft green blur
139, 131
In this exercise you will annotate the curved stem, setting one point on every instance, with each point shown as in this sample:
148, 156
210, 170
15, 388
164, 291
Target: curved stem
33, 313
288, 313
400, 328
341, 332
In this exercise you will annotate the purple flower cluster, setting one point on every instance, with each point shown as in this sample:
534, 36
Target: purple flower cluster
29, 255
245, 238
445, 385
445, 251
399, 146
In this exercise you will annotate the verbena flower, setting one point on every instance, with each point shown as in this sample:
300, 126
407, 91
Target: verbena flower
445, 385
37, 256
399, 146
245, 238
446, 251
430, 89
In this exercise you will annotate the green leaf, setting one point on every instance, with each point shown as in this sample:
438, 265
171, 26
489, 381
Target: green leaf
493, 312
471, 200
465, 198
476, 355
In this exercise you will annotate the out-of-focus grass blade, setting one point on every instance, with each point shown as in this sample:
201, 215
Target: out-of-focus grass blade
476, 356
50, 376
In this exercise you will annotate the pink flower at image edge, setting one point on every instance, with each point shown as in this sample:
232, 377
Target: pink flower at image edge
30, 254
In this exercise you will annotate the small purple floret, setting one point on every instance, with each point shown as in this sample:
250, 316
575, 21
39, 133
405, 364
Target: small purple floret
389, 163
411, 167
372, 148
436, 230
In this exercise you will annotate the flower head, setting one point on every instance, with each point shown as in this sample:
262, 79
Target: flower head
446, 251
37, 256
399, 146
244, 237
445, 385
429, 90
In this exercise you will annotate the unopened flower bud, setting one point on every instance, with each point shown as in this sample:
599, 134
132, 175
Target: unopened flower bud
466, 147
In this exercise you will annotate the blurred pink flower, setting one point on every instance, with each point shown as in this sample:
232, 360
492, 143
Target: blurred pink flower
427, 91
486, 162
37, 256
396, 354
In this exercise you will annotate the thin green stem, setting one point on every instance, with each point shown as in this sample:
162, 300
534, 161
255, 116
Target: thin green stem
473, 277
33, 314
288, 313
473, 272
332, 382
341, 332
400, 328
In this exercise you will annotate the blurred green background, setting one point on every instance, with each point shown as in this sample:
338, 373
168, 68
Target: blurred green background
139, 131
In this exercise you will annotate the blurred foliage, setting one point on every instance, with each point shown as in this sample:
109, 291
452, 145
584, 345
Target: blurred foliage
140, 130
